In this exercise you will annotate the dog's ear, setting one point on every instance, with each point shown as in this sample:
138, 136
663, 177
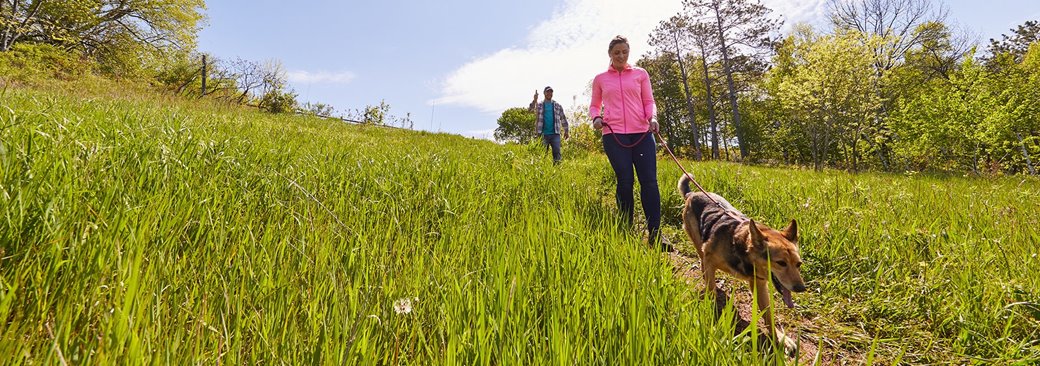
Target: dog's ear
758, 240
756, 235
791, 232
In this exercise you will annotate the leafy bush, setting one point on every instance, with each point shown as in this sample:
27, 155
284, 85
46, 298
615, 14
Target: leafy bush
30, 62
278, 101
517, 125
584, 137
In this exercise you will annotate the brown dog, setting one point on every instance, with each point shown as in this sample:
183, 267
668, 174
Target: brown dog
728, 240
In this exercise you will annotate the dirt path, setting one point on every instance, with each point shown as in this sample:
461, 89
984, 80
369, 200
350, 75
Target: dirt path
687, 267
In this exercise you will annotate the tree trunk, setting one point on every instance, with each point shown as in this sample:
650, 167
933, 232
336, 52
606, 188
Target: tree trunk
732, 88
689, 99
975, 161
725, 147
705, 142
710, 103
5, 31
12, 37
1029, 163
816, 137
815, 154
855, 154
203, 76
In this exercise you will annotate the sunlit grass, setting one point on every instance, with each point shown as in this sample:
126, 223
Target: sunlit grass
139, 230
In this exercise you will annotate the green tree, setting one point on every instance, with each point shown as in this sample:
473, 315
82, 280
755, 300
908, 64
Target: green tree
937, 55
826, 85
1014, 124
1016, 44
516, 125
672, 38
982, 120
671, 100
124, 34
743, 23
894, 28
941, 126
702, 38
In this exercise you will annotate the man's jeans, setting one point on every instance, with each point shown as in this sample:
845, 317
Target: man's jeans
554, 142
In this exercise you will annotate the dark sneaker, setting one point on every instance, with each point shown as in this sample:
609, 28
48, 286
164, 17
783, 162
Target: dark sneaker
660, 242
665, 245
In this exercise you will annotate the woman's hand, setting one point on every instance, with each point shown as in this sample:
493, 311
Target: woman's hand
597, 123
654, 127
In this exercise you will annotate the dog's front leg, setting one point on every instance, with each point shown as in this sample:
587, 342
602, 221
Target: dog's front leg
708, 270
762, 299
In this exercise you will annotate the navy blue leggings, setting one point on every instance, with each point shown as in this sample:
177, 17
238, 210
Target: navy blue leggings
644, 158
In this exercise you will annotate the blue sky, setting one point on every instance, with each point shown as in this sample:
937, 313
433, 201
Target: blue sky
455, 65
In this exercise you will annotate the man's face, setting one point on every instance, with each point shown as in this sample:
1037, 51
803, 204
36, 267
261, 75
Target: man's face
548, 94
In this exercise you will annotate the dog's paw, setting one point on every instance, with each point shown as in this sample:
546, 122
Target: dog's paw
790, 344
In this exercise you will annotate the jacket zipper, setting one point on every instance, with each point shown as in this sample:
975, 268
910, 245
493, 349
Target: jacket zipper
624, 112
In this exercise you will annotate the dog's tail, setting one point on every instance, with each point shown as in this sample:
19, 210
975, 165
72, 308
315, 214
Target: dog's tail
684, 185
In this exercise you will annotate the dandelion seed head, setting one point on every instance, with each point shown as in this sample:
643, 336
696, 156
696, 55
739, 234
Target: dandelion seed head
403, 306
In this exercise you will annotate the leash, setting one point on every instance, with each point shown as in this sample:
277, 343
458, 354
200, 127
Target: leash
681, 167
612, 133
690, 176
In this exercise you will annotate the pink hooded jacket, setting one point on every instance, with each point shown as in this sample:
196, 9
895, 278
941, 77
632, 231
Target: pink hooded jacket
626, 99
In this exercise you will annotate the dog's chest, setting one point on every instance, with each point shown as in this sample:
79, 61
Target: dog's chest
739, 262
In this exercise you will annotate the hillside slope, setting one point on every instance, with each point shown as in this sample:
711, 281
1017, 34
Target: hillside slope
156, 230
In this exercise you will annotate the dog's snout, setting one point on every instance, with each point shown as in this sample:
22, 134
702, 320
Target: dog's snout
799, 288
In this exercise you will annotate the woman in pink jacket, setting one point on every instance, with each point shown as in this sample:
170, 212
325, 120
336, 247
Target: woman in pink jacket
623, 107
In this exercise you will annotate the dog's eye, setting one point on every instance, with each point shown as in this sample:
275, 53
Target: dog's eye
782, 263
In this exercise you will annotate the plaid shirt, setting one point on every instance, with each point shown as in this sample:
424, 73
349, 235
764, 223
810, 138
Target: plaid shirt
558, 115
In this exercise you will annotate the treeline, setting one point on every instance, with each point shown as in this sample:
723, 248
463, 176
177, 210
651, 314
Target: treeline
150, 41
889, 86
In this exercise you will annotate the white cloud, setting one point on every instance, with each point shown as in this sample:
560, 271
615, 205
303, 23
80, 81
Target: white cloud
567, 50
302, 76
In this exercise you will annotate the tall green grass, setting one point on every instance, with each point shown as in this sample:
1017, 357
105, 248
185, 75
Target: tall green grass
932, 269
163, 231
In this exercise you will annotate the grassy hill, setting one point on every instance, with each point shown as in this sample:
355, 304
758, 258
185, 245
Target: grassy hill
141, 229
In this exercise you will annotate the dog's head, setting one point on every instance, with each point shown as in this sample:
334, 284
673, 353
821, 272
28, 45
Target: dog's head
780, 250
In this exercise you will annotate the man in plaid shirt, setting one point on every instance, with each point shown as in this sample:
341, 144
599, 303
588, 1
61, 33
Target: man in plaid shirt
550, 131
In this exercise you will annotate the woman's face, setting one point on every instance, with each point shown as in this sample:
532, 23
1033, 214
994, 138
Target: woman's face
619, 54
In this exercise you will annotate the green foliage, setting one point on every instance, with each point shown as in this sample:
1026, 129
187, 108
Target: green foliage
181, 73
101, 26
279, 101
746, 23
1012, 48
939, 128
827, 92
584, 138
123, 56
376, 114
981, 120
318, 109
670, 97
173, 232
30, 62
379, 115
122, 39
516, 125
